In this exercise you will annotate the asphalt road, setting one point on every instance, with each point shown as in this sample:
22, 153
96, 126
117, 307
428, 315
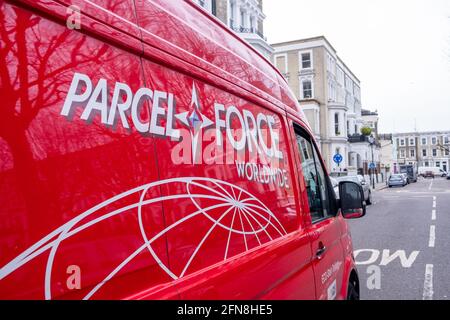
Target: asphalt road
402, 245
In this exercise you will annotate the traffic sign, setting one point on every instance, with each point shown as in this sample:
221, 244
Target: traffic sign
372, 165
338, 158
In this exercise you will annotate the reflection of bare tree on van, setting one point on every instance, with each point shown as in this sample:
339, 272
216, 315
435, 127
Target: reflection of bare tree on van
40, 57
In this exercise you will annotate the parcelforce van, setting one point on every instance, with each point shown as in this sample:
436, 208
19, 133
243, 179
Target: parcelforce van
147, 152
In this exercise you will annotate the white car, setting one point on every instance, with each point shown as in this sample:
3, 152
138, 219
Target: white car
335, 184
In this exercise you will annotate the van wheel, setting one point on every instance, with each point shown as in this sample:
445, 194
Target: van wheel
352, 292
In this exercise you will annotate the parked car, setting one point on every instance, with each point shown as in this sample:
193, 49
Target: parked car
436, 171
405, 177
362, 182
428, 174
397, 180
448, 176
335, 185
107, 189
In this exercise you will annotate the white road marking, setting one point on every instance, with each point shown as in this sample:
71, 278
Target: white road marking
433, 215
428, 283
431, 185
432, 236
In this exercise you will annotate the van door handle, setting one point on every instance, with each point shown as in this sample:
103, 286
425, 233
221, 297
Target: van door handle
320, 252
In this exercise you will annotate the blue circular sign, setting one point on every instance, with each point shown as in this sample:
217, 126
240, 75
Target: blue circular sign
372, 165
338, 158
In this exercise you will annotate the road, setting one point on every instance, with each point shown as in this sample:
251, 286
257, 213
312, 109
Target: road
402, 245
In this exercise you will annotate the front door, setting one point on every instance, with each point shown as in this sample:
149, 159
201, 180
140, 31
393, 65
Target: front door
324, 229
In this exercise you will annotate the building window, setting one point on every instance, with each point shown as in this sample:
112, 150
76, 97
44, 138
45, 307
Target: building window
438, 164
336, 124
232, 17
427, 164
424, 141
447, 152
306, 60
412, 142
412, 152
281, 63
402, 153
433, 140
446, 140
402, 142
434, 152
424, 152
307, 89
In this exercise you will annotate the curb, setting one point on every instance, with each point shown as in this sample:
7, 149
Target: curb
380, 188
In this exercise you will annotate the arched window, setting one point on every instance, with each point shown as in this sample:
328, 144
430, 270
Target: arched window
336, 124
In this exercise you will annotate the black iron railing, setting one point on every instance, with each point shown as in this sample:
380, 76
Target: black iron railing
242, 29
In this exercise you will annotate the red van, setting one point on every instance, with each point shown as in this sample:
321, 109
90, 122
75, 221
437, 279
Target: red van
147, 152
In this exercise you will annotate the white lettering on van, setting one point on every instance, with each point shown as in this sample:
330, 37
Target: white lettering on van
262, 174
154, 112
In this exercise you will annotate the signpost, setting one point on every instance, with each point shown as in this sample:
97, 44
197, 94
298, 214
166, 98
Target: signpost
338, 159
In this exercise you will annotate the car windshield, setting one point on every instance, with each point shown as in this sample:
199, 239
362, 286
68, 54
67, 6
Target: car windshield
396, 177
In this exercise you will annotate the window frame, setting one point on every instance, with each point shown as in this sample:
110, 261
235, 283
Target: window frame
426, 141
300, 59
333, 205
303, 91
285, 56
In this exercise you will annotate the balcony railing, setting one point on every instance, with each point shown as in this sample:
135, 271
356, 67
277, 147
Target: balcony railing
357, 138
362, 138
242, 29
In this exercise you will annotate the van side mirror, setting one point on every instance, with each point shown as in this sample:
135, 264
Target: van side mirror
352, 201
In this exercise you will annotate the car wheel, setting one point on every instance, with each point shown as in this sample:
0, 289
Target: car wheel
369, 198
352, 292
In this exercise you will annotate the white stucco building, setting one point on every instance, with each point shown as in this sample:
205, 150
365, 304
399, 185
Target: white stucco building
246, 17
330, 95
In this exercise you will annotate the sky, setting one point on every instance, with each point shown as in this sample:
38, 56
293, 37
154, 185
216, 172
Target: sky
399, 50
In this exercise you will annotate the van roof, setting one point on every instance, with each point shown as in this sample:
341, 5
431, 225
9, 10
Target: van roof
227, 51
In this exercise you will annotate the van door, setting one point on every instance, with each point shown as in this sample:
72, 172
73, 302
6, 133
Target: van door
324, 228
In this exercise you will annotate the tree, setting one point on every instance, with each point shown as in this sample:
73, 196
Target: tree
366, 131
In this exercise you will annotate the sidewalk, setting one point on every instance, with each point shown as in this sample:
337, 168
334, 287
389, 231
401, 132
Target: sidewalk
380, 186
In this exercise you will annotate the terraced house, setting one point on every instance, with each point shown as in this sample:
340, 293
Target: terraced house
423, 149
330, 95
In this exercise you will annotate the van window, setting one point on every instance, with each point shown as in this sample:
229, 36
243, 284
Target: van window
315, 180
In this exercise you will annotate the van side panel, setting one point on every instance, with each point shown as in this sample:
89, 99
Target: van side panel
228, 205
73, 189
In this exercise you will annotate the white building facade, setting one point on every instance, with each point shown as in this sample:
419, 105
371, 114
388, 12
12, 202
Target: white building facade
330, 95
422, 149
245, 17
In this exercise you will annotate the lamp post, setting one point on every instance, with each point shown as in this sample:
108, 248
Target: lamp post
372, 142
